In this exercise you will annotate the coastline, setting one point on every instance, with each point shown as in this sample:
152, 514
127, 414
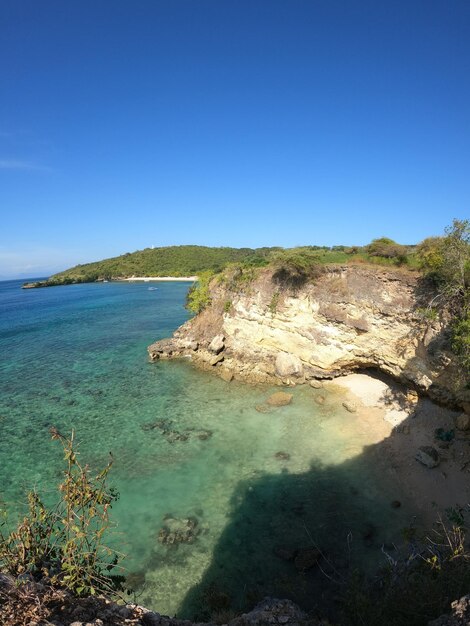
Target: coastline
132, 279
146, 279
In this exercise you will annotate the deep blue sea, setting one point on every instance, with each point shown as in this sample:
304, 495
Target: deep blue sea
75, 357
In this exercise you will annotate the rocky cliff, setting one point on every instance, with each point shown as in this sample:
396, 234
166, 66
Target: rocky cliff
348, 318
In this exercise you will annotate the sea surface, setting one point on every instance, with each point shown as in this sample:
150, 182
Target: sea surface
256, 486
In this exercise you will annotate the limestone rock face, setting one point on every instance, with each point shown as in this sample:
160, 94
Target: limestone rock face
350, 318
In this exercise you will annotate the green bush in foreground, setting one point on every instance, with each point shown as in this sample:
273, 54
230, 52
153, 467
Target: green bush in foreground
419, 586
65, 543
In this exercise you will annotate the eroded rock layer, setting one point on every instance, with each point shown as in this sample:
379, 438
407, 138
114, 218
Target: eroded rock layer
349, 318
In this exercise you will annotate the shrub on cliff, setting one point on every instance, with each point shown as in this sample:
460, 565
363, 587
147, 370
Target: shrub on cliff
387, 249
294, 268
63, 545
446, 261
417, 585
199, 297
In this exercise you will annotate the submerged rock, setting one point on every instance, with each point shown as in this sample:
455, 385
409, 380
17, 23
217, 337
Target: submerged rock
263, 408
428, 456
284, 553
203, 435
307, 558
178, 530
173, 436
315, 384
280, 398
282, 456
226, 375
368, 533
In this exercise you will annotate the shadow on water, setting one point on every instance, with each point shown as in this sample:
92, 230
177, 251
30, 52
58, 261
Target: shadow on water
297, 536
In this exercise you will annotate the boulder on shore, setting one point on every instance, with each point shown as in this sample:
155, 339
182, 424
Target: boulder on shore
288, 365
315, 384
459, 616
428, 456
226, 375
462, 422
217, 358
217, 344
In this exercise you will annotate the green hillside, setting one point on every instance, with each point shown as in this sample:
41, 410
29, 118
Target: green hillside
166, 261
193, 260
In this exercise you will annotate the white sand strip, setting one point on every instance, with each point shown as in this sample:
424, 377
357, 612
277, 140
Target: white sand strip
147, 279
371, 391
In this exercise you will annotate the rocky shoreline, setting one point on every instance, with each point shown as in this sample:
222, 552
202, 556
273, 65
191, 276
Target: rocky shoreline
350, 319
37, 604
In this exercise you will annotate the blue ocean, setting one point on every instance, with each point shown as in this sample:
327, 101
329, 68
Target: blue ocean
257, 487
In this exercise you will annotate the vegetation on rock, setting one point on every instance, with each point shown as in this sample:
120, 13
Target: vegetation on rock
293, 268
199, 297
446, 261
388, 249
418, 585
63, 545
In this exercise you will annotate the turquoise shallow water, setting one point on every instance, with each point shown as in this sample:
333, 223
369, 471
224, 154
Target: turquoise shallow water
75, 357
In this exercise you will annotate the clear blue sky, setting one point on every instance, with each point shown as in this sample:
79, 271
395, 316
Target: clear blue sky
131, 123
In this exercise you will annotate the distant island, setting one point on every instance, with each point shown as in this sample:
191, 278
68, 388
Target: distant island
189, 261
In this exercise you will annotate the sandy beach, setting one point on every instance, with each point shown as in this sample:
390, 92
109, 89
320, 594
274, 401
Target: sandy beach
147, 279
407, 428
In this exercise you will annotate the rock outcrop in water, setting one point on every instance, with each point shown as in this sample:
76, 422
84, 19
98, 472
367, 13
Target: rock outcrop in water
350, 318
